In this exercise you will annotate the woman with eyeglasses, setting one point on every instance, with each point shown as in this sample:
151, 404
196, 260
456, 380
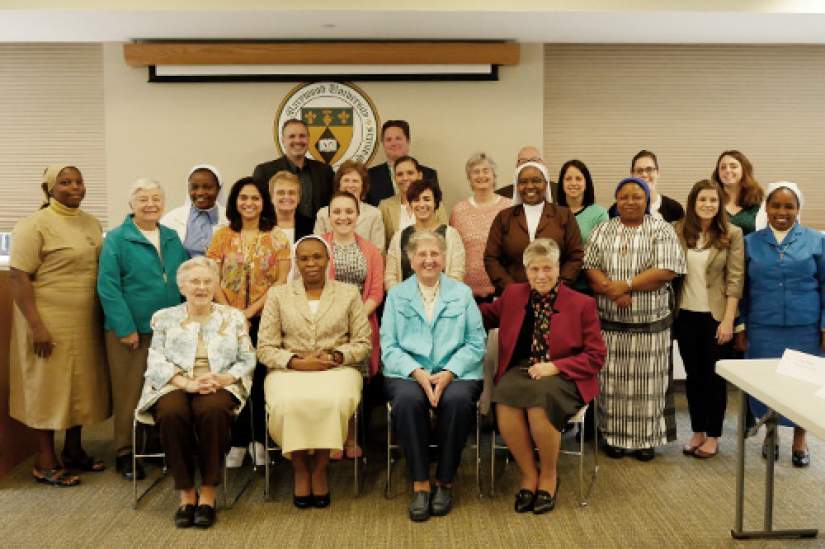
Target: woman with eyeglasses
645, 166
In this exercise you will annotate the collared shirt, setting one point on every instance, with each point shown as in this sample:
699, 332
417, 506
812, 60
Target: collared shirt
305, 177
391, 169
655, 206
429, 294
199, 229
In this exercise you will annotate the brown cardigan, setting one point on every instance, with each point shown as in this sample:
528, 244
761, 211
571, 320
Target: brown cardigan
508, 239
724, 274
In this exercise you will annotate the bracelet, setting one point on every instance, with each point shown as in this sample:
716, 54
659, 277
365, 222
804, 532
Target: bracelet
629, 283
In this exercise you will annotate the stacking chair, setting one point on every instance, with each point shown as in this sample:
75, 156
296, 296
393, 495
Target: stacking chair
395, 446
227, 500
579, 420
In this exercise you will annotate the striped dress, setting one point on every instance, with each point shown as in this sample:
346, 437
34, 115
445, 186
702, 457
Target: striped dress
636, 375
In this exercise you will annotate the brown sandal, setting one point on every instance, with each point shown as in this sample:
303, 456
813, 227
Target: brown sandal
55, 477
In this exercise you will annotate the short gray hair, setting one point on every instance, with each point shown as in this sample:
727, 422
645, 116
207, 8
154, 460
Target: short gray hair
144, 184
421, 236
478, 158
541, 248
199, 262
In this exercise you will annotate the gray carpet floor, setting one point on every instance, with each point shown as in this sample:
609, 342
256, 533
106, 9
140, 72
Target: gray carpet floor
673, 501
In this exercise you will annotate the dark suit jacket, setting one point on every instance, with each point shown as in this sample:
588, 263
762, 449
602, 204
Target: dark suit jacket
381, 183
671, 210
320, 173
508, 238
575, 338
303, 226
507, 192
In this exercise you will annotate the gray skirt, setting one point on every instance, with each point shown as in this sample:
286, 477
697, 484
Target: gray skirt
559, 397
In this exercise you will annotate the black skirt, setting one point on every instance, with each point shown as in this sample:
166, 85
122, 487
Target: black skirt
559, 397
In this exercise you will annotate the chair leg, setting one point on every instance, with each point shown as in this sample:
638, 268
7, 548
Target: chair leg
493, 463
388, 486
266, 464
581, 466
134, 464
478, 452
356, 460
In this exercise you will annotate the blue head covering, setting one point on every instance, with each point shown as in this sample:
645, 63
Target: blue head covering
639, 182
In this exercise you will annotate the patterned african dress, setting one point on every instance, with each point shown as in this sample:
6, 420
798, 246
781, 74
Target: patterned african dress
635, 378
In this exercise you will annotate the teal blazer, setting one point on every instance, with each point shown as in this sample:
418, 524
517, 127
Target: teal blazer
454, 341
133, 282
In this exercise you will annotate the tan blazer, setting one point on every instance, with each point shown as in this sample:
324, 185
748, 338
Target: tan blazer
725, 271
391, 214
288, 327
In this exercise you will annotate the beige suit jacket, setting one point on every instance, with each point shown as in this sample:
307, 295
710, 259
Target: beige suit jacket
724, 273
391, 214
289, 328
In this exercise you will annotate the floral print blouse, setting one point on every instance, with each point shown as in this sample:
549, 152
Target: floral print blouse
248, 270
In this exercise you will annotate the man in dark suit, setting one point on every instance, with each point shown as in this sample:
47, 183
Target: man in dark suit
395, 137
528, 154
315, 177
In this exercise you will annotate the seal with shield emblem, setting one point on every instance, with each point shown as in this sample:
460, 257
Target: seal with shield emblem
342, 120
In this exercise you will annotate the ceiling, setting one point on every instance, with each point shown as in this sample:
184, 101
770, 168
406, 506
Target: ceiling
598, 21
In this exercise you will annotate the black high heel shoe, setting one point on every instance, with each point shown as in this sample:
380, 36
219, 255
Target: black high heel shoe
302, 502
321, 501
524, 501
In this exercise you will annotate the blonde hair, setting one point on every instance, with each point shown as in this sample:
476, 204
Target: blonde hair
284, 176
541, 248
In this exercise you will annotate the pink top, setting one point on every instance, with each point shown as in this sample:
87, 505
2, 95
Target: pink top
473, 224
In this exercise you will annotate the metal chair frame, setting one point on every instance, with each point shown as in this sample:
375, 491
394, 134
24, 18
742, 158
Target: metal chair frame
578, 419
394, 446
228, 502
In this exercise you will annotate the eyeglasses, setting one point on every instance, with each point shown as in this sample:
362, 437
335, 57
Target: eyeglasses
644, 171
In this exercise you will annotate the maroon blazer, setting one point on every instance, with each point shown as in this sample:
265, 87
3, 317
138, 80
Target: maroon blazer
576, 345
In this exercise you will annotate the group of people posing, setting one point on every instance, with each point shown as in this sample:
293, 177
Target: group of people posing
309, 284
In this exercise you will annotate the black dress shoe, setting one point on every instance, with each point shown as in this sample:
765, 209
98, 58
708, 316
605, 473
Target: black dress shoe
123, 464
441, 501
524, 501
546, 502
204, 516
645, 454
801, 458
185, 516
614, 452
302, 502
321, 501
420, 506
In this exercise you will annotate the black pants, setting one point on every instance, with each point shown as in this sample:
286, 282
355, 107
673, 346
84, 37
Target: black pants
706, 391
192, 424
241, 430
411, 423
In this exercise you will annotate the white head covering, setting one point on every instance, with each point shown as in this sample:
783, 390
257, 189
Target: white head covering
221, 197
762, 214
548, 195
295, 274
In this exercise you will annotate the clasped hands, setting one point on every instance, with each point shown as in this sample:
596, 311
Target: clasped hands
208, 383
316, 361
542, 369
618, 292
434, 385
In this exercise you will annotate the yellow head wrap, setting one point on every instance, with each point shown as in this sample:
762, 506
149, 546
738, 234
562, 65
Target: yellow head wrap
51, 173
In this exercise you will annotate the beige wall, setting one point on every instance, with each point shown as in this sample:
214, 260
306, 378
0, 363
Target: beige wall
161, 130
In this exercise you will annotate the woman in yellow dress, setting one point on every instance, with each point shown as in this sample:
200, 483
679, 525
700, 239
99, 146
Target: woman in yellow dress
58, 378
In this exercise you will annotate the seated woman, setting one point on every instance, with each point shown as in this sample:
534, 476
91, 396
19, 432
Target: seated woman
424, 197
198, 375
549, 355
432, 346
312, 331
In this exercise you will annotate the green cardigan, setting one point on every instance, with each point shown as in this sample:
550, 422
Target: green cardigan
133, 282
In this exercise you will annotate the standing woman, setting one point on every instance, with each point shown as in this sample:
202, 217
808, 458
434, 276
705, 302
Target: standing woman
630, 262
532, 216
252, 255
285, 190
707, 304
743, 195
136, 278
396, 211
202, 215
357, 261
577, 192
58, 377
424, 197
784, 295
472, 219
353, 178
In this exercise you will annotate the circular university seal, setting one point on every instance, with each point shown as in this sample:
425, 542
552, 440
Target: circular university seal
342, 121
